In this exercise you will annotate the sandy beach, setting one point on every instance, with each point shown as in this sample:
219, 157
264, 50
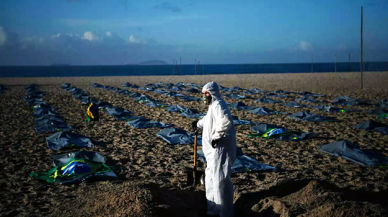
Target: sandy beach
152, 172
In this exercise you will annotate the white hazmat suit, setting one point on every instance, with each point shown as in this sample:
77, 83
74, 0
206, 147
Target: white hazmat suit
218, 125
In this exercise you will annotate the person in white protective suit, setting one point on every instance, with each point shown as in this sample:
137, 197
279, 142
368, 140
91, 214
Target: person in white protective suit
219, 148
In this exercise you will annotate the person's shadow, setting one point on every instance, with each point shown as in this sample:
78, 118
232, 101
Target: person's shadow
178, 202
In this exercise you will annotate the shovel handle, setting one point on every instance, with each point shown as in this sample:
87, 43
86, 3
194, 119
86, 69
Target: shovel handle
195, 151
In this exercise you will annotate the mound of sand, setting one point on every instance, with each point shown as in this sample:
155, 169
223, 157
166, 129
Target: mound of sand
318, 199
106, 199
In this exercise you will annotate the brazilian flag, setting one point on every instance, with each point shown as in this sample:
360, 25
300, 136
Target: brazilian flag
75, 168
384, 115
273, 133
92, 113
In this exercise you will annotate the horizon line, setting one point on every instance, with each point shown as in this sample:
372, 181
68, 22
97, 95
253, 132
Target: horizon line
67, 65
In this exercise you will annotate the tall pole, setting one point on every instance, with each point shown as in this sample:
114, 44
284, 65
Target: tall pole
180, 61
173, 63
312, 66
349, 64
362, 83
335, 62
176, 64
195, 66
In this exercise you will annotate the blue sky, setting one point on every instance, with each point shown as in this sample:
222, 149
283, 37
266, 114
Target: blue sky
88, 32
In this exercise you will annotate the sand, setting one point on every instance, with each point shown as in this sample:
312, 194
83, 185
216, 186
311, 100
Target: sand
152, 173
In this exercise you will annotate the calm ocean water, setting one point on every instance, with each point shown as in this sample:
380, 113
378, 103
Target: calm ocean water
142, 70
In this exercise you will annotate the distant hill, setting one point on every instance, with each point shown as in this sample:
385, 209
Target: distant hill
153, 62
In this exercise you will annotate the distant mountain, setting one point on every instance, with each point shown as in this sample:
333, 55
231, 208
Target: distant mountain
59, 64
153, 62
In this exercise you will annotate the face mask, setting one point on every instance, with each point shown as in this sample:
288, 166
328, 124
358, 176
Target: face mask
207, 99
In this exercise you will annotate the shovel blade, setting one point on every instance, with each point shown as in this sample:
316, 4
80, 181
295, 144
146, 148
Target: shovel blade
194, 177
190, 177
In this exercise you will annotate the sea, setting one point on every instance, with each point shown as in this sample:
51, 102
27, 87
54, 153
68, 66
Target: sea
166, 70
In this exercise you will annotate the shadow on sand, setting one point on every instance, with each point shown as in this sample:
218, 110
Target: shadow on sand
190, 203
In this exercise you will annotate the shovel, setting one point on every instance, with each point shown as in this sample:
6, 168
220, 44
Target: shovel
193, 175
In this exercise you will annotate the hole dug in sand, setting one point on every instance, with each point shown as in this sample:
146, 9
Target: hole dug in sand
311, 199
